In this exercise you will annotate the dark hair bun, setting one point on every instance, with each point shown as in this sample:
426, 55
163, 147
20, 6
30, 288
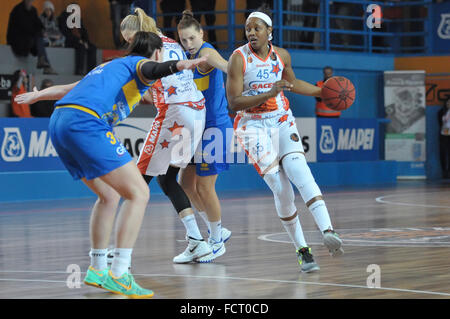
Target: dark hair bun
188, 13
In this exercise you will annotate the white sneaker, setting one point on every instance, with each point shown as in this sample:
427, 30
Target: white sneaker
217, 250
226, 234
194, 250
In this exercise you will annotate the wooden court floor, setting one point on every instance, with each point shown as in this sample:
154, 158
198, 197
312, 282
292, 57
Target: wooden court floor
396, 241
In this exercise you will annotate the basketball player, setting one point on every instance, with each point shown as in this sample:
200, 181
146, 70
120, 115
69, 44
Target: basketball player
199, 179
181, 116
81, 129
258, 73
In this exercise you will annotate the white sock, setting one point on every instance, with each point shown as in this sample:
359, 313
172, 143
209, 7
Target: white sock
191, 227
295, 232
216, 230
98, 258
320, 213
121, 261
205, 219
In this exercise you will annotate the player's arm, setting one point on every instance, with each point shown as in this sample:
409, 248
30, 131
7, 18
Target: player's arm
55, 92
299, 86
215, 60
147, 98
235, 87
154, 70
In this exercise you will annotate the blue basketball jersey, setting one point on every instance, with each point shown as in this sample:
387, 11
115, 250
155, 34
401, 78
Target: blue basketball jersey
211, 84
112, 90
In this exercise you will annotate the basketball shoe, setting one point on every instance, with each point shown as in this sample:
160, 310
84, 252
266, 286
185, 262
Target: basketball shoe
194, 250
95, 277
226, 234
217, 250
333, 242
125, 285
306, 260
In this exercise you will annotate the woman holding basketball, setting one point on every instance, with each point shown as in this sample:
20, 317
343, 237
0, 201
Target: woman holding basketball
258, 73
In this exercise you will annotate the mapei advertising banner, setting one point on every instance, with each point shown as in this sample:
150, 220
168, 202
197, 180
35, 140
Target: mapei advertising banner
26, 143
347, 139
26, 146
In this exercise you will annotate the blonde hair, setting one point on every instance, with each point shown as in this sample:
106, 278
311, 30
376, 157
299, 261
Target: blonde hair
139, 21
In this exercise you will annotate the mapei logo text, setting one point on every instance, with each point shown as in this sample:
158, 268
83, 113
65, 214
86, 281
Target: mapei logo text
349, 139
14, 150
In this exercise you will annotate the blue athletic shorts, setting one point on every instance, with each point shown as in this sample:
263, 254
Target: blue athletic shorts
215, 146
85, 144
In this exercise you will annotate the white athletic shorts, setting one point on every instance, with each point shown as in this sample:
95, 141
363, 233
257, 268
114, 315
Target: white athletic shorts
267, 138
175, 134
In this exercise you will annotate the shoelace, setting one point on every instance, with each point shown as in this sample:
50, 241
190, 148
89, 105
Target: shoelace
306, 255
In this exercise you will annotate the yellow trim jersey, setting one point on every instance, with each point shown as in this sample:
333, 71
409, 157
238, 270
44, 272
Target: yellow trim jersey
112, 90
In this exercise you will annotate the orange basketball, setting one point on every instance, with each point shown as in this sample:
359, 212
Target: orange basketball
338, 93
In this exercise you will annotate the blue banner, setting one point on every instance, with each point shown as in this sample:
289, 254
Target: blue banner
441, 27
26, 146
347, 139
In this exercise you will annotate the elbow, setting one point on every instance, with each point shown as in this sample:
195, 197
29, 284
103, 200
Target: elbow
232, 105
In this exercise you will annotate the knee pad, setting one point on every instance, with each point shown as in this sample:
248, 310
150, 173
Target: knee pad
298, 171
283, 193
173, 190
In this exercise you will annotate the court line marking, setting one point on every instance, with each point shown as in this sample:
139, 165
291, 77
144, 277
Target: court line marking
363, 242
380, 199
241, 279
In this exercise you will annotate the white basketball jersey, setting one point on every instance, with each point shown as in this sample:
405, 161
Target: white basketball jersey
260, 75
178, 88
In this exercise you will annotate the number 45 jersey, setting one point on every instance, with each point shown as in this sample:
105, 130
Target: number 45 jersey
259, 77
178, 88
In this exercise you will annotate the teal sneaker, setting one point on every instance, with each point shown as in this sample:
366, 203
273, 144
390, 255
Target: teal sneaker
95, 277
306, 260
126, 286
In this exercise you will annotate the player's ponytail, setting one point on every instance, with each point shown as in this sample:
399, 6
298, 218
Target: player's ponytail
146, 23
139, 21
188, 21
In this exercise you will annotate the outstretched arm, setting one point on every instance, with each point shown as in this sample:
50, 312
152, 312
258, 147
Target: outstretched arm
154, 70
215, 60
299, 86
55, 92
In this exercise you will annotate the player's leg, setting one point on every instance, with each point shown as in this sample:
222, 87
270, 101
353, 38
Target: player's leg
257, 143
206, 186
188, 181
127, 181
294, 164
101, 225
284, 199
197, 247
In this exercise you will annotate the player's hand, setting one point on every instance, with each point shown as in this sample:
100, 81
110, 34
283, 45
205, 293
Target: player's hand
279, 86
191, 64
27, 98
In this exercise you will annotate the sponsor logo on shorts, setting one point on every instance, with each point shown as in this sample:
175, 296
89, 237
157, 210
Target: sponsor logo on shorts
148, 149
120, 150
295, 137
